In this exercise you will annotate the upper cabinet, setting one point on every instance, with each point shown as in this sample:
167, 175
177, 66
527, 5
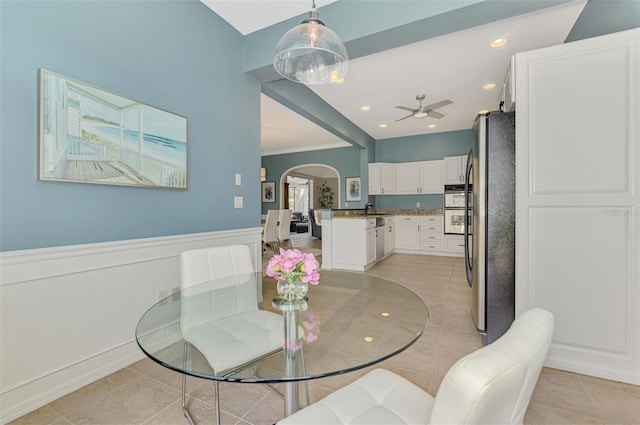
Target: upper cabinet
454, 169
411, 178
432, 177
508, 94
382, 178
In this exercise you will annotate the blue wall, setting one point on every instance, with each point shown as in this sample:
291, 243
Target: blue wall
168, 54
345, 160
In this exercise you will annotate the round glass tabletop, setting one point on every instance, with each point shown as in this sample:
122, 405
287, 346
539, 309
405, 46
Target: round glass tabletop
230, 329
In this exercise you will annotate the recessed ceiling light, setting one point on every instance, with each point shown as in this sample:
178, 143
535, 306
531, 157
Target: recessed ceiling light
385, 314
365, 108
368, 338
483, 111
431, 126
382, 126
489, 86
498, 42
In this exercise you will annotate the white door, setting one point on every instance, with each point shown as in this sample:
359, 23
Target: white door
578, 192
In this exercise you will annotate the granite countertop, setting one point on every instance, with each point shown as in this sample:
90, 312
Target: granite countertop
382, 212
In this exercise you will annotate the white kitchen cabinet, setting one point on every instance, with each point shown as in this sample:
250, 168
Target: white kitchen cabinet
431, 177
408, 178
424, 177
389, 235
408, 232
508, 94
382, 178
371, 245
455, 168
353, 244
455, 243
577, 180
349, 247
432, 233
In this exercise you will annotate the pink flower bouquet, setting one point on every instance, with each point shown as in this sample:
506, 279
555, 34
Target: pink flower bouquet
292, 265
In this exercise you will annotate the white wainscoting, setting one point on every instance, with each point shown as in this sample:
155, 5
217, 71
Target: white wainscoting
68, 314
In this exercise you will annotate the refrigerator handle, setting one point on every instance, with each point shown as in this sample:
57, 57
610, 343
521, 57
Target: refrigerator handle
467, 198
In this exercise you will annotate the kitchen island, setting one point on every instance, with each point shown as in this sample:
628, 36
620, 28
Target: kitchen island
354, 236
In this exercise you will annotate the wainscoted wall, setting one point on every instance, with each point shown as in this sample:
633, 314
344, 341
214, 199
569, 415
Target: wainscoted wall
68, 314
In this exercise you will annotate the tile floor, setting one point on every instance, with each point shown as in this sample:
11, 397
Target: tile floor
148, 394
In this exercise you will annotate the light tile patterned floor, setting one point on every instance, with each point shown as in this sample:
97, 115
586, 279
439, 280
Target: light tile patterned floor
148, 394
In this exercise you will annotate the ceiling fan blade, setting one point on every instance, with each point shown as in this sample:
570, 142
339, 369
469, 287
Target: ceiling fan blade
434, 114
405, 108
438, 104
404, 118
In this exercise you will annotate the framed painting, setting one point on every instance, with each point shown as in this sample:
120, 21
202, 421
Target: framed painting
90, 135
268, 191
352, 189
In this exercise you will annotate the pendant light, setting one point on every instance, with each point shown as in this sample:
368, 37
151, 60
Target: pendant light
311, 53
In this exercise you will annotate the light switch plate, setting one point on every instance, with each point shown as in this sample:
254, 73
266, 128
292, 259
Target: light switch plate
238, 202
238, 179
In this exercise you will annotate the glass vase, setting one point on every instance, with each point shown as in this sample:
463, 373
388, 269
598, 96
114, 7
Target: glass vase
292, 289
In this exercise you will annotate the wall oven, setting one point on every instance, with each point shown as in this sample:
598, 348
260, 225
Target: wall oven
455, 211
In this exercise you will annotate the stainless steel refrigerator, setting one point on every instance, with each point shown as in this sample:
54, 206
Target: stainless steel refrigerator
490, 251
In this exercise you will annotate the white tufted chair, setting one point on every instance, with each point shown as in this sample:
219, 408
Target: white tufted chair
284, 223
270, 231
222, 319
492, 385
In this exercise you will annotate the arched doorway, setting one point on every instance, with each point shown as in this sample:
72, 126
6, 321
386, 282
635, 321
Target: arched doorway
316, 175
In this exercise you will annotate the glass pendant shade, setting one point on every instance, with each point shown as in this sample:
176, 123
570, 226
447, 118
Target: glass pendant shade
311, 54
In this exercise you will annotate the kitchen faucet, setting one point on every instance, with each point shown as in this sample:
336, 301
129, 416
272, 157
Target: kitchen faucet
367, 206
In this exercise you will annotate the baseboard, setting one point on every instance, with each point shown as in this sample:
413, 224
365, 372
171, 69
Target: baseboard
39, 392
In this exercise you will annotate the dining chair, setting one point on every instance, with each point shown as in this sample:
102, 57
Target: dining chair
316, 224
270, 231
284, 223
492, 385
222, 319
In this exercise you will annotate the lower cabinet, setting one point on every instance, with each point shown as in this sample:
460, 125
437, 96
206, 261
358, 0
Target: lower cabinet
420, 233
431, 233
354, 243
408, 232
371, 245
454, 243
389, 235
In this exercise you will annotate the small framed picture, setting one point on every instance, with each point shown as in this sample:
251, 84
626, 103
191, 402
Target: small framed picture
352, 189
268, 191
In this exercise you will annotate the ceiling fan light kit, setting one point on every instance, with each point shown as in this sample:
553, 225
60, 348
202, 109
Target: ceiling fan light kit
424, 111
311, 53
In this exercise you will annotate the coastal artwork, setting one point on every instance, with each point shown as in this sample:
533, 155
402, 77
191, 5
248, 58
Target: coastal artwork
352, 189
89, 135
268, 191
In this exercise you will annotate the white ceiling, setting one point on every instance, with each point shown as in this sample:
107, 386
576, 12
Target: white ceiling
453, 66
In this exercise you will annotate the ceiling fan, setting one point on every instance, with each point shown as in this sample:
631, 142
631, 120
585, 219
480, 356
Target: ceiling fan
424, 111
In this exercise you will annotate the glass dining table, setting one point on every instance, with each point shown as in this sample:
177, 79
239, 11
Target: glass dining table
237, 329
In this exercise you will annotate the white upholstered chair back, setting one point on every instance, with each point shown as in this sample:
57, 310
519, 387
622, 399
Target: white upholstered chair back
494, 384
284, 222
234, 292
490, 386
270, 230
